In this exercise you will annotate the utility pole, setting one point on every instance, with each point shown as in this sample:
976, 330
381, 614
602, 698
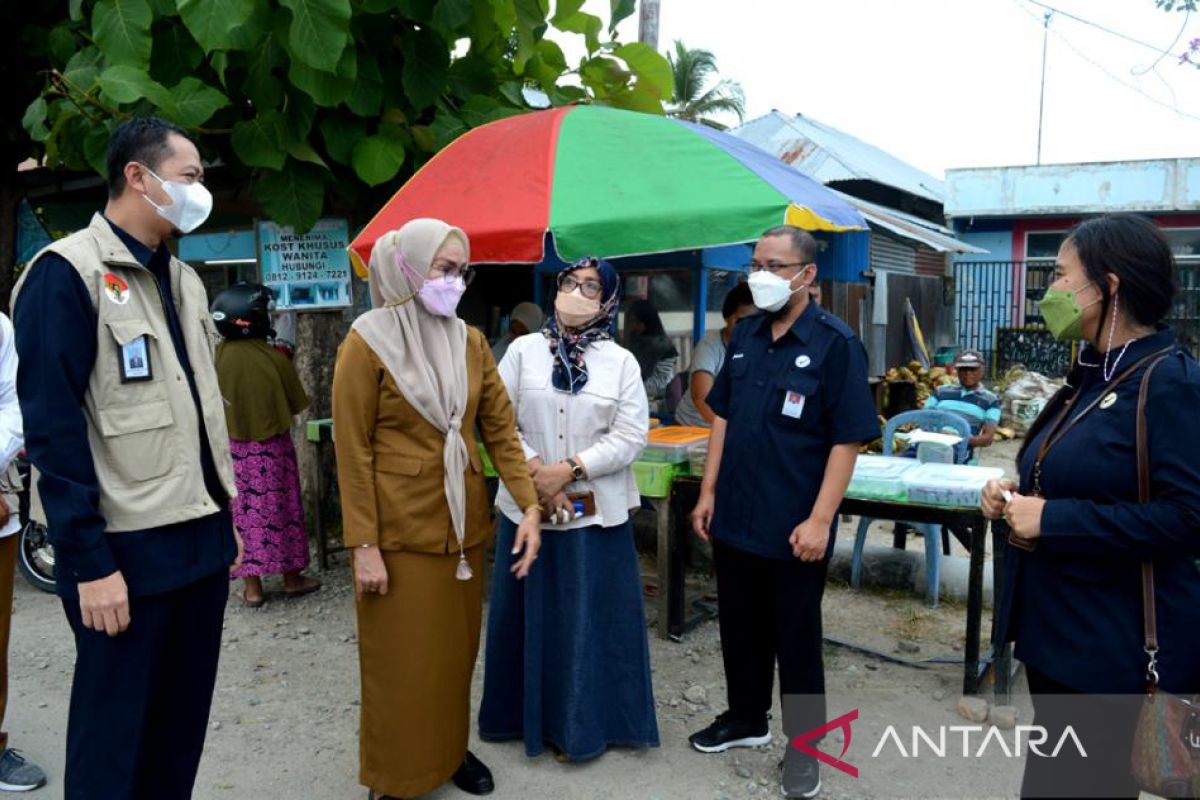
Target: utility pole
648, 17
1042, 97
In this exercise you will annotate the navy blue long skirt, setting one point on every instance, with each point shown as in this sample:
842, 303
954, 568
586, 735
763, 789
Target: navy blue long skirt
567, 660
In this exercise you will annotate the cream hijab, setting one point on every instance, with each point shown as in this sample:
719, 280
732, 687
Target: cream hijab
425, 354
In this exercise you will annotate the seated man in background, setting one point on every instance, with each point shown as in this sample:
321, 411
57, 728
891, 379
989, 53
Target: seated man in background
968, 398
708, 357
525, 318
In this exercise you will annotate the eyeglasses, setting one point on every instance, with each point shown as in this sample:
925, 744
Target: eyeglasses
774, 266
450, 272
591, 289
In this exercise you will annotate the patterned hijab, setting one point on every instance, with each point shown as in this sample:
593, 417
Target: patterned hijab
567, 345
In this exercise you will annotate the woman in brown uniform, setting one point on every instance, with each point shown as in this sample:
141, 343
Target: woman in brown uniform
411, 386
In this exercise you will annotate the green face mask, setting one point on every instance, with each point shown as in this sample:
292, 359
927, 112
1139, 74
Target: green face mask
1062, 312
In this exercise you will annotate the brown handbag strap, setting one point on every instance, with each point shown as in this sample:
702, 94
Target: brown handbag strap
1149, 616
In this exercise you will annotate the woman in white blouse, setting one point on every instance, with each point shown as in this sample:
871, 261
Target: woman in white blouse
568, 663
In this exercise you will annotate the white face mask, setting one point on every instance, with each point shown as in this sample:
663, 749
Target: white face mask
191, 203
771, 292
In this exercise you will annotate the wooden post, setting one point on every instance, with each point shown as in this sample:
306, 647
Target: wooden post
648, 17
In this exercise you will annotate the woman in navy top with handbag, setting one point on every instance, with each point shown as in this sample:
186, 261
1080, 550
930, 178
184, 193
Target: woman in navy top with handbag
1073, 598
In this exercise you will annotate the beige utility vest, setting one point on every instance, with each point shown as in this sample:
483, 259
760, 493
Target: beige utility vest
145, 435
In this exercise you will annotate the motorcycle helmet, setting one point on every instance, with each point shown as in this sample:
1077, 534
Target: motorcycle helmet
243, 311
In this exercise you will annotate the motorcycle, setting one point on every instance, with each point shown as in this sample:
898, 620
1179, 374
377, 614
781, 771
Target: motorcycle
35, 554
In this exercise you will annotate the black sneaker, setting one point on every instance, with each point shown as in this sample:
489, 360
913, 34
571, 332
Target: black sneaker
727, 732
801, 775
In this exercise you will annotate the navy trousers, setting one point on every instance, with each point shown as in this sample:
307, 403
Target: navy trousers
140, 700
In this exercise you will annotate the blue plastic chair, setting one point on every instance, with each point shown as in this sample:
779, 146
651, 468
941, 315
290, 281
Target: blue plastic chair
938, 422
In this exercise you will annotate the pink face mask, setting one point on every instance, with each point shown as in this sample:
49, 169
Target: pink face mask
439, 296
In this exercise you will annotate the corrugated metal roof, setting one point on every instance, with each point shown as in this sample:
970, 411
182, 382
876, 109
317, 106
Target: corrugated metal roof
934, 236
828, 154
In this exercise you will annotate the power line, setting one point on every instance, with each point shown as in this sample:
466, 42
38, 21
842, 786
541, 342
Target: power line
1095, 25
1132, 87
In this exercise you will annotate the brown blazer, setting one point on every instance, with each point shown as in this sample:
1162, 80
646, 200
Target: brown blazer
390, 467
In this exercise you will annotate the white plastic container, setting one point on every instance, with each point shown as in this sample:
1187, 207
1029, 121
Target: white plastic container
880, 477
956, 485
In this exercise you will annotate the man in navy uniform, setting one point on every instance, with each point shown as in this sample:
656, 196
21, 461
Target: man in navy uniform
793, 406
135, 470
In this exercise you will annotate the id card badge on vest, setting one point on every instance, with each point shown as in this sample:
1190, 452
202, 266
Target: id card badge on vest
134, 359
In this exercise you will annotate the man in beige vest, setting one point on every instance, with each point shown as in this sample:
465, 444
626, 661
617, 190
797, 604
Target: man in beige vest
125, 425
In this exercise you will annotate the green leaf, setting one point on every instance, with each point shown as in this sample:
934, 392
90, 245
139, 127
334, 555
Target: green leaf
636, 99
122, 30
61, 44
603, 76
341, 135
652, 69
220, 65
570, 19
256, 141
263, 86
298, 115
378, 158
426, 65
95, 148
514, 93
195, 102
424, 138
248, 35
368, 89
303, 151
175, 55
84, 67
446, 128
214, 23
621, 9
319, 31
531, 18
450, 15
76, 10
471, 75
34, 121
294, 196
163, 9
127, 84
325, 88
481, 109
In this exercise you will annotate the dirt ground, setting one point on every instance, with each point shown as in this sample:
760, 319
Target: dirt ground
284, 720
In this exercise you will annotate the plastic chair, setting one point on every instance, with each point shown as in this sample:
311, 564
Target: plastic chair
938, 422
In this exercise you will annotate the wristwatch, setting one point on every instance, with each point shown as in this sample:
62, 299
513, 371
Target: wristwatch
576, 469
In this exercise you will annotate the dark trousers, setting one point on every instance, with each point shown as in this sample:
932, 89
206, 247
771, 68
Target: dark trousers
771, 611
140, 700
1104, 725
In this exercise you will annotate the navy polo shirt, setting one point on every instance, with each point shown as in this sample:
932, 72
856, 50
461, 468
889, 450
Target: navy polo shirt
786, 404
57, 347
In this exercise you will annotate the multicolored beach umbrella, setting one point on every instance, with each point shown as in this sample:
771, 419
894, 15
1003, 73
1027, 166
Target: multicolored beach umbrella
605, 182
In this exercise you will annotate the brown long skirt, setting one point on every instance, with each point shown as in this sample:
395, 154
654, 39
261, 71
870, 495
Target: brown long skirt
416, 647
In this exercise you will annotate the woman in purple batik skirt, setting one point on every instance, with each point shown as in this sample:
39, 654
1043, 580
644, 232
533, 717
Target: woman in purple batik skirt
262, 394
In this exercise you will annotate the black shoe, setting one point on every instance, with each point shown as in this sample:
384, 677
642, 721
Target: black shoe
801, 775
473, 776
727, 732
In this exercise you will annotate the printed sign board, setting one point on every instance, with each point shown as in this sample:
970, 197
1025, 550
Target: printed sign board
307, 272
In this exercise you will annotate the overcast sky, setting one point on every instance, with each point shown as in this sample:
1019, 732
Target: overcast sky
954, 83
